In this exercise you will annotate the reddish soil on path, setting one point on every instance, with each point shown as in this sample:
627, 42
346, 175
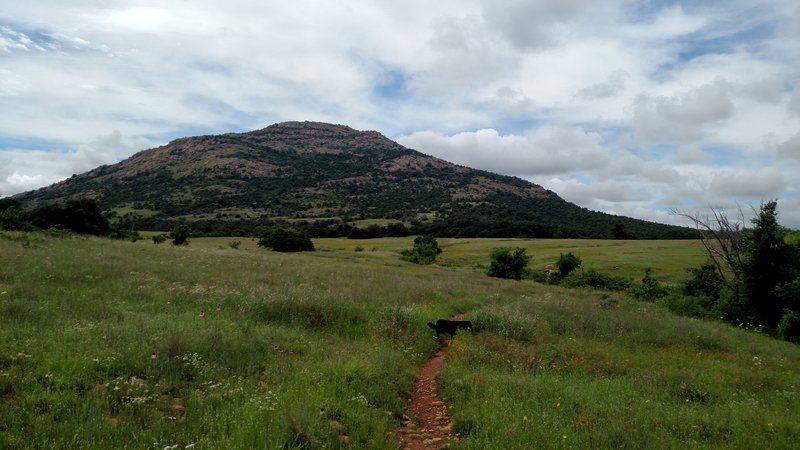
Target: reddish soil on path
432, 430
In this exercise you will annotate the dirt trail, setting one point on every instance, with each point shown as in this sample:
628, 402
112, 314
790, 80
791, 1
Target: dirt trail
433, 429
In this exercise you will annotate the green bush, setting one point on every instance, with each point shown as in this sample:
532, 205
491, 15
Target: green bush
180, 235
567, 264
789, 327
425, 250
159, 239
691, 306
705, 282
596, 280
650, 289
286, 239
507, 263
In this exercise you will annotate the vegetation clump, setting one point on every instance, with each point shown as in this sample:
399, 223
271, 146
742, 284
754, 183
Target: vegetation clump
650, 289
426, 249
567, 263
180, 235
508, 263
285, 239
753, 277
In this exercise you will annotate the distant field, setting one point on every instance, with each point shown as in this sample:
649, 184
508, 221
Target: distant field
102, 345
668, 259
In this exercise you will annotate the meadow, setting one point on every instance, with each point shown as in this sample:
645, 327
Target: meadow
103, 345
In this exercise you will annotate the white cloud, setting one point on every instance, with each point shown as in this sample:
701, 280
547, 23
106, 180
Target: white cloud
530, 25
544, 151
791, 148
613, 86
794, 100
683, 117
23, 170
759, 183
690, 154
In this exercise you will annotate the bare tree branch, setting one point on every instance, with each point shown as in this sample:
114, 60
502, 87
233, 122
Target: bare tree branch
721, 238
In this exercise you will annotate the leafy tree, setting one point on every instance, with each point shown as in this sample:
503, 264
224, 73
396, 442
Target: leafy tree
507, 263
11, 217
84, 216
567, 264
282, 238
180, 235
789, 327
770, 264
426, 249
618, 230
81, 216
705, 282
759, 267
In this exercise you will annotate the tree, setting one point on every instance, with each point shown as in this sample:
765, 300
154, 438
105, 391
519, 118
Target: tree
180, 235
770, 264
11, 214
757, 265
425, 250
282, 238
705, 282
567, 264
507, 263
618, 230
81, 216
720, 236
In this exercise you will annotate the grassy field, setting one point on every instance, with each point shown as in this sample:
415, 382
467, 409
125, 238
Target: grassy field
102, 345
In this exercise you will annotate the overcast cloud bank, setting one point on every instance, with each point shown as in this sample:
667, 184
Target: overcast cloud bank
629, 107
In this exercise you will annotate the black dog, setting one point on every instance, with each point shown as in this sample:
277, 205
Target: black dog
444, 326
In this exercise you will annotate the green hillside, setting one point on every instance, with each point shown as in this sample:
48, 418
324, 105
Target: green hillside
102, 345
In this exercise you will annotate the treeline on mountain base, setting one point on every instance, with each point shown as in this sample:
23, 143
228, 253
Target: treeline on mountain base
81, 216
505, 218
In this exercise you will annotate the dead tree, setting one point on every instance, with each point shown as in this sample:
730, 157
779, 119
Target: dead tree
721, 238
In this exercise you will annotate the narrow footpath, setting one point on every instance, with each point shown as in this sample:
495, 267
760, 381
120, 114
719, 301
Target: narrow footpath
428, 428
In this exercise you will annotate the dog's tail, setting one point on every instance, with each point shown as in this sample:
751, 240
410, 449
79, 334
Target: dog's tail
432, 325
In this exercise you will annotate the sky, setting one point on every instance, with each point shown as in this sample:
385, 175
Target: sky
637, 108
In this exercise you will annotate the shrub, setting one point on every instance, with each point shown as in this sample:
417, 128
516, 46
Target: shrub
180, 235
11, 218
508, 264
705, 282
650, 289
235, 244
789, 327
567, 264
425, 250
596, 280
691, 306
159, 239
286, 239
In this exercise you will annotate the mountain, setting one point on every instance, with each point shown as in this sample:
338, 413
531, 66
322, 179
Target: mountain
329, 174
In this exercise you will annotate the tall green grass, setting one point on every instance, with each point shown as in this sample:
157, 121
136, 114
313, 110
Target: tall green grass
559, 371
102, 346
